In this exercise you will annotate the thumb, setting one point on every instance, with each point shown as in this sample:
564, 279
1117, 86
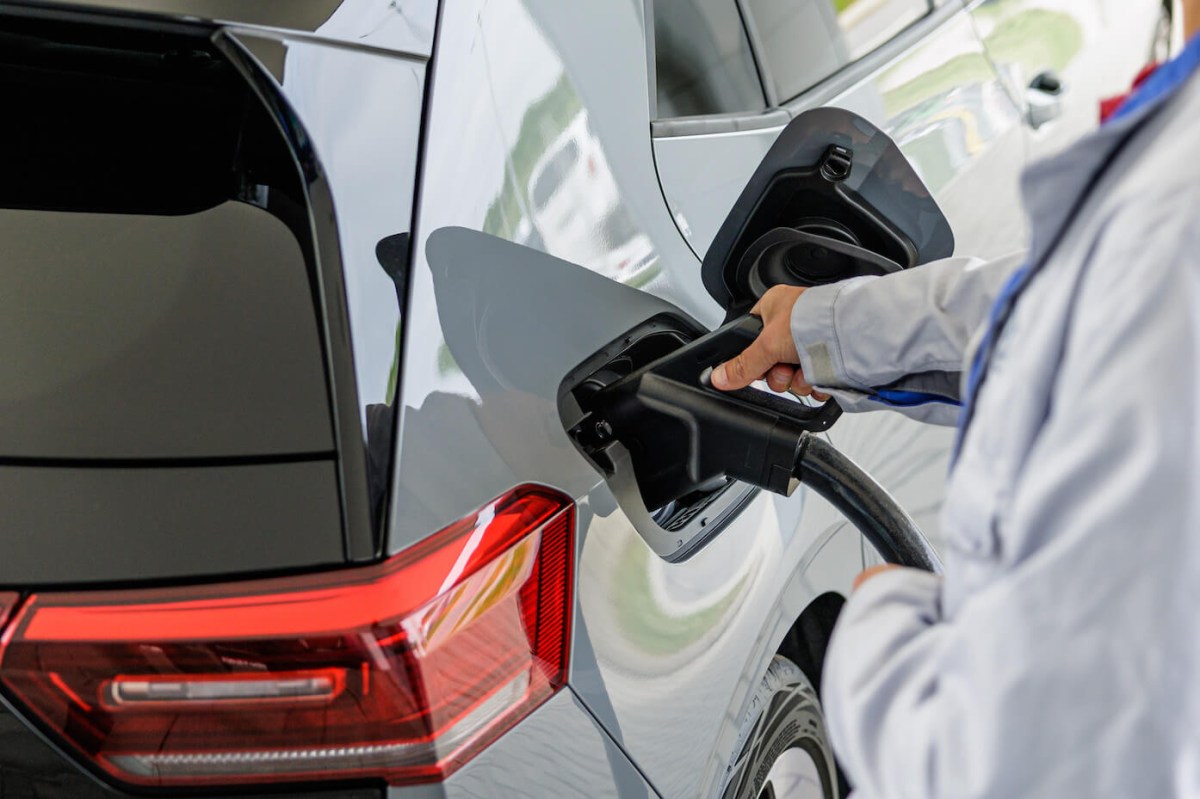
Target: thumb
743, 370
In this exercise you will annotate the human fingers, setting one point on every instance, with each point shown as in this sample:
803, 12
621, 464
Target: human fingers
780, 377
748, 366
800, 384
774, 344
803, 388
872, 572
777, 302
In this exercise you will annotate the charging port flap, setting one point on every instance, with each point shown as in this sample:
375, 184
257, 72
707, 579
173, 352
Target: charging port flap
834, 198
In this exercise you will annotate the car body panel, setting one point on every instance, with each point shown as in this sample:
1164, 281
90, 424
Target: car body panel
502, 96
939, 99
559, 750
659, 643
367, 141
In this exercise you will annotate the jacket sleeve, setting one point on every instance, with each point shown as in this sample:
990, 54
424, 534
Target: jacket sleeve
905, 332
1069, 670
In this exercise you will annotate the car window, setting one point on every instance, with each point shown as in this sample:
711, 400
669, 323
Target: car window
703, 63
805, 41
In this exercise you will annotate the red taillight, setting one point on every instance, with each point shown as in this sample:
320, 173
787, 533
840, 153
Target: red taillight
402, 670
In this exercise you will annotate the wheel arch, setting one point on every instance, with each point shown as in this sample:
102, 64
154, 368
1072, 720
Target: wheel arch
806, 642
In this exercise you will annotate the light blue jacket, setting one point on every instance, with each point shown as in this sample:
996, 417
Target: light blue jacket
1060, 655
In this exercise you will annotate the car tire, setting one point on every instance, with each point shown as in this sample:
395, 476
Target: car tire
782, 750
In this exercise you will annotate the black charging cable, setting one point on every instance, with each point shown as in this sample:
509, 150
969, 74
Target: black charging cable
865, 503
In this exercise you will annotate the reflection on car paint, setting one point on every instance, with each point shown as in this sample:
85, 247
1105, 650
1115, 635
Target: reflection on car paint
561, 195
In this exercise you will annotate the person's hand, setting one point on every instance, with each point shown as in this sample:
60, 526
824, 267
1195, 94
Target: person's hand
773, 354
867, 574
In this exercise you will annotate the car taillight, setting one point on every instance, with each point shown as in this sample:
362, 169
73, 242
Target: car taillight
401, 670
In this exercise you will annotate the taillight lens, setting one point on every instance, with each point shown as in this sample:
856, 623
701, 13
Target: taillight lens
402, 670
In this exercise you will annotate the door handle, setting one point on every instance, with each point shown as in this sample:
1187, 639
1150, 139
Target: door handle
1044, 99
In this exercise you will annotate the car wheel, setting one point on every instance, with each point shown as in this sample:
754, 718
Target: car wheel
1160, 47
782, 750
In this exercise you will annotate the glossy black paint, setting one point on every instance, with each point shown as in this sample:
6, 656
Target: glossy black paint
78, 525
175, 289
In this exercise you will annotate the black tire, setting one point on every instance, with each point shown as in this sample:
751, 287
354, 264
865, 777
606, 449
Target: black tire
782, 749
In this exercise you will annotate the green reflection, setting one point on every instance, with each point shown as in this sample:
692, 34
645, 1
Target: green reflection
647, 625
936, 82
541, 124
1035, 38
446, 365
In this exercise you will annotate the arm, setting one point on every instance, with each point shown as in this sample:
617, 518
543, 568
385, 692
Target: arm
870, 332
907, 332
1071, 672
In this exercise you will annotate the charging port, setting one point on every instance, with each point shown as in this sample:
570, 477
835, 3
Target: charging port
677, 527
650, 341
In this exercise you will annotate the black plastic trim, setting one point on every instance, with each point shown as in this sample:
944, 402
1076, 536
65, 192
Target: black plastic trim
330, 299
651, 57
766, 80
638, 409
167, 463
122, 18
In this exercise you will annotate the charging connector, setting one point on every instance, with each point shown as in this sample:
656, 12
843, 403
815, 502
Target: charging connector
646, 404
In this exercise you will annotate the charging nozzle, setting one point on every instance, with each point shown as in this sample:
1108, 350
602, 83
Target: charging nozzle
682, 433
